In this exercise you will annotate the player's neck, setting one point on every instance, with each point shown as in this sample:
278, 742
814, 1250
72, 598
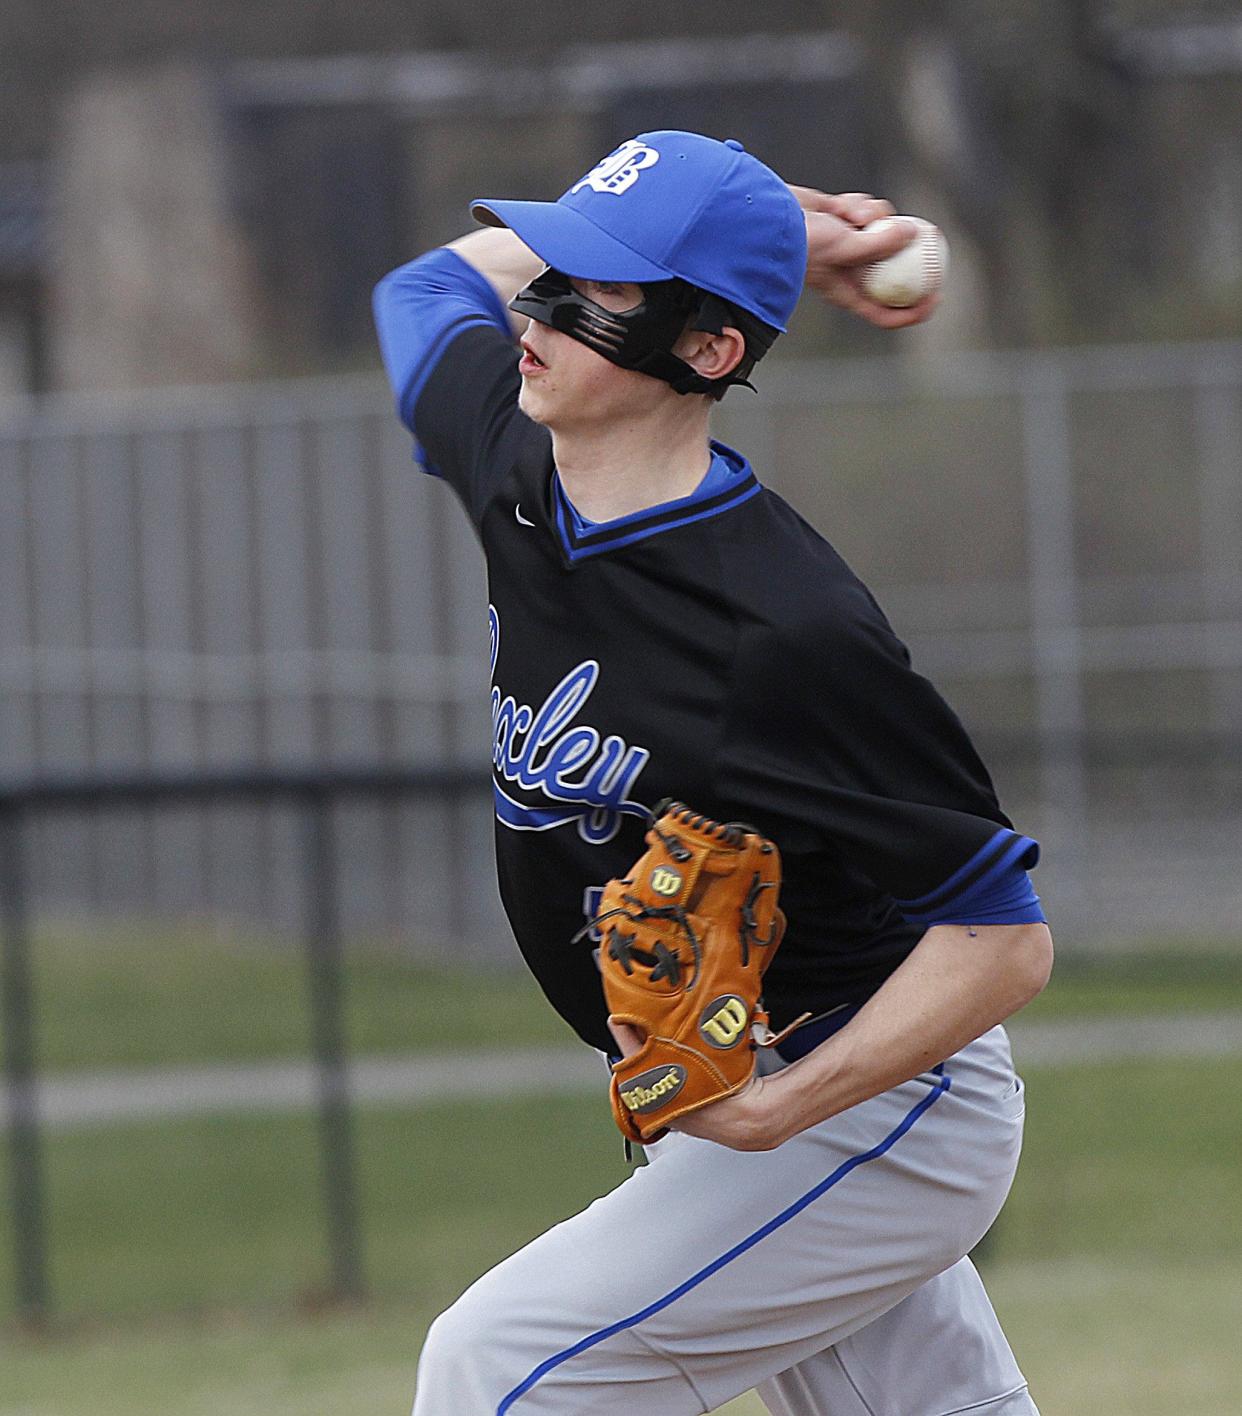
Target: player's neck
628, 467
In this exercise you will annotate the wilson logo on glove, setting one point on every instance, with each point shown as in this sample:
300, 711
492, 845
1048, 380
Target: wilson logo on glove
724, 1021
665, 881
654, 1088
684, 940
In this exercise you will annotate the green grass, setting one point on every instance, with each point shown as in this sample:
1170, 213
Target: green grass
195, 1214
150, 998
188, 1256
340, 1363
1129, 1160
139, 998
1134, 1160
1132, 1339
1174, 978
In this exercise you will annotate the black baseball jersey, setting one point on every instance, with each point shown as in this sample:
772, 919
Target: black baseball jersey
716, 650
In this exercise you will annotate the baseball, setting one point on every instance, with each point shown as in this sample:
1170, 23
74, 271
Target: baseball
914, 272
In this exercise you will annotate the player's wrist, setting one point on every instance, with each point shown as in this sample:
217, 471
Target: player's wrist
763, 1126
772, 1125
813, 1088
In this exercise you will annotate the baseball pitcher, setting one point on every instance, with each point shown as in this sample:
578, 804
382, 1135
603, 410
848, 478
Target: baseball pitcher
749, 853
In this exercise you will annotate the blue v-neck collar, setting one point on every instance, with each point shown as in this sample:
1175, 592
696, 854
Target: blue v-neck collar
728, 482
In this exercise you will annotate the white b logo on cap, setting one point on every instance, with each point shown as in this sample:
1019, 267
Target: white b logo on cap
619, 170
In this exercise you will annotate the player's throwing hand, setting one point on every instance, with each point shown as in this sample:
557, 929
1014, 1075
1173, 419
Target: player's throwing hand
838, 250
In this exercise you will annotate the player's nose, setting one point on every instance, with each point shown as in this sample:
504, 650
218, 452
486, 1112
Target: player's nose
536, 339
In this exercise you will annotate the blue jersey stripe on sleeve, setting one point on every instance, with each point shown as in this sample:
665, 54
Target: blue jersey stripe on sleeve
420, 308
974, 866
993, 887
407, 401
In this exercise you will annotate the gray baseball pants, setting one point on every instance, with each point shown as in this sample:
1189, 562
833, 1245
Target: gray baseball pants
829, 1273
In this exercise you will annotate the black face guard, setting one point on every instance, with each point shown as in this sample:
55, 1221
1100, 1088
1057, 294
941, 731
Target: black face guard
642, 338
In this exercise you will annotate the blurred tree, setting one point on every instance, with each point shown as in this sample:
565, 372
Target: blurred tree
1029, 125
1064, 143
1071, 116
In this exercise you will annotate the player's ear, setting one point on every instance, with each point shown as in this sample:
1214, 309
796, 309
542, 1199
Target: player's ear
712, 355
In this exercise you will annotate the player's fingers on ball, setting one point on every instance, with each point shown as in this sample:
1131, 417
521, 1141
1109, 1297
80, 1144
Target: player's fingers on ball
849, 201
848, 294
833, 203
842, 205
835, 281
859, 208
916, 314
874, 209
811, 198
862, 247
889, 317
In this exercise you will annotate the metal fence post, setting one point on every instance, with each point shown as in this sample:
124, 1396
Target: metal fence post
1055, 614
25, 1148
324, 963
1218, 436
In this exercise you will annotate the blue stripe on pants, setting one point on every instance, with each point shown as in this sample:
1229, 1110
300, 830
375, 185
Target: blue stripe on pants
842, 1170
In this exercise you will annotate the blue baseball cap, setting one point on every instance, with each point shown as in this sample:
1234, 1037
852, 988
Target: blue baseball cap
672, 204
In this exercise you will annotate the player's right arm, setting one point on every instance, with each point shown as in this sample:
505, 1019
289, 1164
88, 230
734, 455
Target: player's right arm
837, 250
505, 262
447, 343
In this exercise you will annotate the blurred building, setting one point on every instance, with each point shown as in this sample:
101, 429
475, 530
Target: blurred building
23, 275
195, 579
1086, 164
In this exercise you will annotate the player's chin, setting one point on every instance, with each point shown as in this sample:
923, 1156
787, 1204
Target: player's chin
530, 401
535, 403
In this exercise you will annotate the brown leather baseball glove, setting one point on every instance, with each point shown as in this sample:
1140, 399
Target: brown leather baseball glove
685, 940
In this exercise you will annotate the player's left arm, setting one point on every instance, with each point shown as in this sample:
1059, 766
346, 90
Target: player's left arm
959, 981
863, 755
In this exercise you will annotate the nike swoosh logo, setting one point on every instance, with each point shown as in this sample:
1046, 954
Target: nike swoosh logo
522, 521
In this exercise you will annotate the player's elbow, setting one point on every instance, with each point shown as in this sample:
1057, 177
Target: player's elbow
1031, 959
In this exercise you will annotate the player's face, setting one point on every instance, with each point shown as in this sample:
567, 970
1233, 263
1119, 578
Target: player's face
568, 386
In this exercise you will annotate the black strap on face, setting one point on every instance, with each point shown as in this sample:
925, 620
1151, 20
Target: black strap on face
642, 337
